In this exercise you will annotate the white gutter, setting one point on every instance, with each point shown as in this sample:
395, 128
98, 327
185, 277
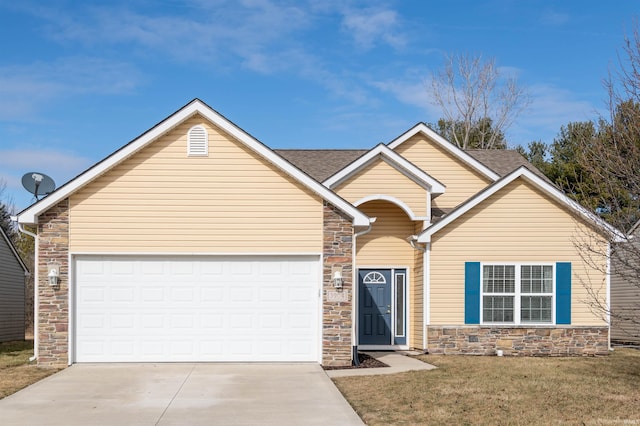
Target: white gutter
412, 240
35, 287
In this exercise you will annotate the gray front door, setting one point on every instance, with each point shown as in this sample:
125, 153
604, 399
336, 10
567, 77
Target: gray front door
374, 310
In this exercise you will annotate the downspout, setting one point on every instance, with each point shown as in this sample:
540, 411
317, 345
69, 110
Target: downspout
413, 241
354, 280
366, 231
35, 287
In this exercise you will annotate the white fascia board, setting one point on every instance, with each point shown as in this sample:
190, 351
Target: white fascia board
547, 188
396, 161
448, 146
29, 215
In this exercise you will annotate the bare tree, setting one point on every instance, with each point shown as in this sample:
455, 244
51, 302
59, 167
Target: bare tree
472, 92
610, 161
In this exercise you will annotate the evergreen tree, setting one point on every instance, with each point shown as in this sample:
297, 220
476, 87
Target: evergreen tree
480, 132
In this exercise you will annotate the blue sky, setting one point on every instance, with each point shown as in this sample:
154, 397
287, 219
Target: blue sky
79, 79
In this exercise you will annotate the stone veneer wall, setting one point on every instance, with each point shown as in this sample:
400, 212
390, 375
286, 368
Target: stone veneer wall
53, 302
518, 341
337, 321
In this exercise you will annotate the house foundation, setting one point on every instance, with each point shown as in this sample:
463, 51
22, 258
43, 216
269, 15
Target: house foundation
518, 340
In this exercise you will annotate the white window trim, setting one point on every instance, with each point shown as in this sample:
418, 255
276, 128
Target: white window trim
395, 302
517, 294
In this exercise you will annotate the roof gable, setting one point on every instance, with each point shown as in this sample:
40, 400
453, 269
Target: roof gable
456, 152
7, 240
398, 162
196, 106
544, 186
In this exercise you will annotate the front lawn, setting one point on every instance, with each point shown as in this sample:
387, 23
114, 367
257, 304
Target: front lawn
15, 370
503, 390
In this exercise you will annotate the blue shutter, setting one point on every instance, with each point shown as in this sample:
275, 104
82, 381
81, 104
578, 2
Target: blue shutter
472, 293
563, 293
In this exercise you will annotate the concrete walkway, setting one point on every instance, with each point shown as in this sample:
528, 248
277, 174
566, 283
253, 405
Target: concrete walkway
181, 394
398, 362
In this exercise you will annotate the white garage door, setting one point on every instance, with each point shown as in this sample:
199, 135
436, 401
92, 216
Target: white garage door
168, 309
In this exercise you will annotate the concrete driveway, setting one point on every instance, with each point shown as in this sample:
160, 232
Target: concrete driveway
181, 394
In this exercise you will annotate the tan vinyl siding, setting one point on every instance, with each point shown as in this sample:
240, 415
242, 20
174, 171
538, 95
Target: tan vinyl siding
518, 224
460, 180
382, 178
12, 287
385, 244
416, 311
161, 200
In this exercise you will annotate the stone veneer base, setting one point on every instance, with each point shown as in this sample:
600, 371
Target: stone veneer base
518, 340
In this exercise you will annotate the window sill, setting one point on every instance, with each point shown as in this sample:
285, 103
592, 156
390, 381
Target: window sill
523, 325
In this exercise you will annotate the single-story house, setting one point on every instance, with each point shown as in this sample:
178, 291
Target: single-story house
13, 273
625, 289
196, 242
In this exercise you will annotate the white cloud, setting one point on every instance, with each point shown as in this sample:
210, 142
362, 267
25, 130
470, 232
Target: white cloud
551, 107
370, 27
202, 33
412, 89
42, 159
409, 92
263, 36
23, 88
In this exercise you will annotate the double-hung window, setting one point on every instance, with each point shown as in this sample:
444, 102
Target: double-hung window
517, 293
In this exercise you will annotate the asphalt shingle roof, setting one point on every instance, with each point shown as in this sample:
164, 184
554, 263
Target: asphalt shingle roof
503, 161
321, 164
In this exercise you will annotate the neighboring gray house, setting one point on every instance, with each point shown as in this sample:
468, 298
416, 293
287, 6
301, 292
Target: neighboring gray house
13, 273
625, 290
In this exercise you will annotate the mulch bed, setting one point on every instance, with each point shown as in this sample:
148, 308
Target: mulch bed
365, 360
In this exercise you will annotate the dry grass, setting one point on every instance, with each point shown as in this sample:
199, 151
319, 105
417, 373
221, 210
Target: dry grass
492, 390
15, 371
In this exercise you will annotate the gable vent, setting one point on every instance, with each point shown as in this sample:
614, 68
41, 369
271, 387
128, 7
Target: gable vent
198, 142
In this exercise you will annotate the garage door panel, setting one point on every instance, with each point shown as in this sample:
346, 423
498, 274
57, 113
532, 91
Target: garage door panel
197, 309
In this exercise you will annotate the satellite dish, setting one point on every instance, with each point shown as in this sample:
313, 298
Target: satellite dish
38, 184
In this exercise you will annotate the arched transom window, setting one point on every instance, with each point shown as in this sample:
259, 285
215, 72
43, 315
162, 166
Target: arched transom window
374, 278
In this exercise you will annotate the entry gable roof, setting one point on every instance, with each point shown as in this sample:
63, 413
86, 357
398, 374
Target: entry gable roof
381, 151
196, 106
526, 174
458, 153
